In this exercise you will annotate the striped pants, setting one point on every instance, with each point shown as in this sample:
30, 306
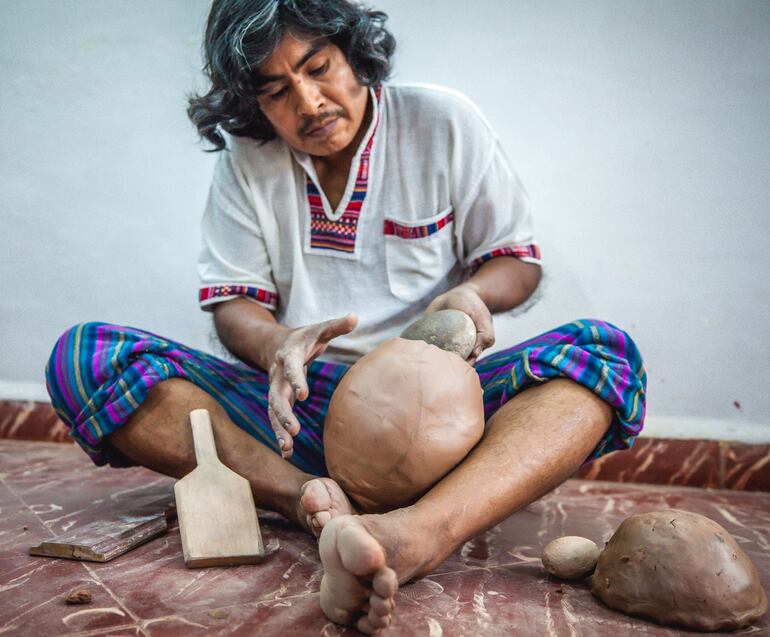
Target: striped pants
99, 374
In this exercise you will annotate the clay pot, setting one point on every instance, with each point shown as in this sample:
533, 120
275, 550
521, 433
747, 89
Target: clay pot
401, 418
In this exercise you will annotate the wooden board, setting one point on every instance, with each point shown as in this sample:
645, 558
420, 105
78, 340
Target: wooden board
217, 517
103, 540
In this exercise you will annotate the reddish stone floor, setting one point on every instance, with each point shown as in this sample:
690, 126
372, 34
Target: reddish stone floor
494, 585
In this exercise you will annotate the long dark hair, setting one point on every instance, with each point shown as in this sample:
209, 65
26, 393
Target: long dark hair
242, 34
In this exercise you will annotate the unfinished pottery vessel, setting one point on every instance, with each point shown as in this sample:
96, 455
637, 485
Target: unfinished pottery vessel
681, 568
401, 418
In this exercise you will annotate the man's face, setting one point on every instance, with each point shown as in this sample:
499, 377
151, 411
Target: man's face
313, 99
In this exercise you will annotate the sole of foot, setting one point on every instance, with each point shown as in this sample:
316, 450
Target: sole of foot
357, 586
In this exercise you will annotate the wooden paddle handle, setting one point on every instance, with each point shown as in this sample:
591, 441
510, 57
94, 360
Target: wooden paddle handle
203, 437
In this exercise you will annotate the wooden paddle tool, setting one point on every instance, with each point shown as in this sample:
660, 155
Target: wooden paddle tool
217, 517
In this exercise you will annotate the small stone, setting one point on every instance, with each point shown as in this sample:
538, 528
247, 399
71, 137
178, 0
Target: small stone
570, 557
450, 330
79, 596
218, 614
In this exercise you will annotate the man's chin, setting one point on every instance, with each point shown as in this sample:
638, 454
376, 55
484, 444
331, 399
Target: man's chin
327, 147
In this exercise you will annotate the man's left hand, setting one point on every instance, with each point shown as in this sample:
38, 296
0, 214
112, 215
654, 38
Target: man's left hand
466, 299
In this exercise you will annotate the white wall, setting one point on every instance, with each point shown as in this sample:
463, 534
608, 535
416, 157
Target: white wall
640, 129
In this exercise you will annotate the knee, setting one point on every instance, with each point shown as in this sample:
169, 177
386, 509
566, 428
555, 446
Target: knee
68, 346
598, 332
176, 390
70, 362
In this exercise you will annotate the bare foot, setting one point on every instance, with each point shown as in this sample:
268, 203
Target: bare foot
357, 586
320, 500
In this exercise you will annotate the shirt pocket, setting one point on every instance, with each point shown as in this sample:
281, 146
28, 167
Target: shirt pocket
418, 254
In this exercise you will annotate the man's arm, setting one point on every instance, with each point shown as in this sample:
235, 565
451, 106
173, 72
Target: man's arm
504, 283
498, 285
249, 332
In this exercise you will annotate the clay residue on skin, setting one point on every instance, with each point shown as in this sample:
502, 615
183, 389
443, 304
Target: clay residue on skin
679, 568
401, 418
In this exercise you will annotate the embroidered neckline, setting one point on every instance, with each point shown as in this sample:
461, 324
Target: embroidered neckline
340, 234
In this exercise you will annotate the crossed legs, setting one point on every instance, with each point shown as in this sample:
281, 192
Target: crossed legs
532, 444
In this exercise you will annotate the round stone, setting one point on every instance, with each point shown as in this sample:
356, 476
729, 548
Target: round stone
450, 330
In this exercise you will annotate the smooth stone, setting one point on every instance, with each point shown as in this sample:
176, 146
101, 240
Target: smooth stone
570, 557
450, 330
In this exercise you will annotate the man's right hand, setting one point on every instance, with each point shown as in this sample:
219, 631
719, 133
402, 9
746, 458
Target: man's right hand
287, 374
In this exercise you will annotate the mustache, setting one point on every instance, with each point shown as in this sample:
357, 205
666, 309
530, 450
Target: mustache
321, 120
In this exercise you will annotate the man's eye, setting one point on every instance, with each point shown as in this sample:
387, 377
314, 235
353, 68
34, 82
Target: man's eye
320, 70
278, 94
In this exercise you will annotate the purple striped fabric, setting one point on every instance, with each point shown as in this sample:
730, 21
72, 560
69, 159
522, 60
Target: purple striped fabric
98, 375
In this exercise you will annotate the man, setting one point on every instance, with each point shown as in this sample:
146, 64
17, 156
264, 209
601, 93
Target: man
338, 193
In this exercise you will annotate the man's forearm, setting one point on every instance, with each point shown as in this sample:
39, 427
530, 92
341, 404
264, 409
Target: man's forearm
249, 332
504, 283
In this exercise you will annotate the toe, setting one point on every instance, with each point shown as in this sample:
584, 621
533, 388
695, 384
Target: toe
365, 626
381, 605
385, 582
315, 497
321, 518
360, 553
378, 621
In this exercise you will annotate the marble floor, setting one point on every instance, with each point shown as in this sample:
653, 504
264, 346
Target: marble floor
494, 585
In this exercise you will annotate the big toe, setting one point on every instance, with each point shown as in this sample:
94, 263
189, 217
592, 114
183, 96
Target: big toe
322, 499
359, 552
315, 497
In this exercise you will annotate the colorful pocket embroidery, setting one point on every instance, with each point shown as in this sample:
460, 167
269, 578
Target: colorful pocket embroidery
395, 229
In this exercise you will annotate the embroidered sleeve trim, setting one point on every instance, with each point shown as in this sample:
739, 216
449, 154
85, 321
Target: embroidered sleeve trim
212, 294
530, 253
416, 232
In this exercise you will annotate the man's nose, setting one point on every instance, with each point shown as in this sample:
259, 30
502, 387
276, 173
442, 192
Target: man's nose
310, 101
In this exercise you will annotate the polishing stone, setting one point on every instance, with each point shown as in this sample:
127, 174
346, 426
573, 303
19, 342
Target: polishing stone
681, 568
400, 419
570, 557
450, 330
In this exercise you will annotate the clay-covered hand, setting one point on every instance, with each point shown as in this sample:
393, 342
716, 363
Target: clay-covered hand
287, 374
466, 299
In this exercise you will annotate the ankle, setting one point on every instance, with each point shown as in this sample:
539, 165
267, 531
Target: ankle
411, 544
435, 533
283, 497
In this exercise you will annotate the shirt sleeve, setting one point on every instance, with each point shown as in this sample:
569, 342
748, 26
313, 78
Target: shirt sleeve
495, 219
234, 261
